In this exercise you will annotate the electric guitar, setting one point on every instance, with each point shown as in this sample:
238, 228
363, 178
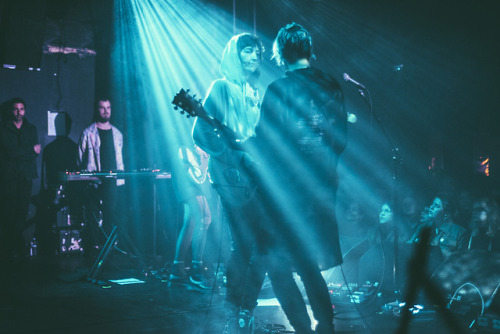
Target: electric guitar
195, 162
233, 183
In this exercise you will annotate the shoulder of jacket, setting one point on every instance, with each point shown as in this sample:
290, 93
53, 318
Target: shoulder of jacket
116, 130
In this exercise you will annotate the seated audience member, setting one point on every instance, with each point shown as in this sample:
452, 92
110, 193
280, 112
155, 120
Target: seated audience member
445, 234
484, 226
386, 221
377, 263
410, 215
424, 221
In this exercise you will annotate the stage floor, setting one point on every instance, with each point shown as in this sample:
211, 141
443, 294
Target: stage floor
54, 295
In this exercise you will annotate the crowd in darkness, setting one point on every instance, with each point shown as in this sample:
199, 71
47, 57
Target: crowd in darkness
461, 221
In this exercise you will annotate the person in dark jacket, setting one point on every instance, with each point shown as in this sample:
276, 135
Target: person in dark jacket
234, 102
302, 133
19, 149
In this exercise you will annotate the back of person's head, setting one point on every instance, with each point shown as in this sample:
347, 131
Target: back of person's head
292, 43
62, 124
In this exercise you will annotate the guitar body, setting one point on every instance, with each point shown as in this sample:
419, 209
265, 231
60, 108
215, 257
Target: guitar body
234, 185
195, 162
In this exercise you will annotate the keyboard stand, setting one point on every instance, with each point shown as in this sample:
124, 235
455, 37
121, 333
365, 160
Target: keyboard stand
96, 267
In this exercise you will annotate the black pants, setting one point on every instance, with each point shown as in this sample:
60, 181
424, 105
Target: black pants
15, 201
254, 253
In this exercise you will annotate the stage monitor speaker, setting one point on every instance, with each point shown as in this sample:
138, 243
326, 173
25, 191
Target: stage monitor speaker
469, 274
22, 33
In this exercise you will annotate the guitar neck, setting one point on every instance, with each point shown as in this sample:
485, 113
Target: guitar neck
226, 133
194, 108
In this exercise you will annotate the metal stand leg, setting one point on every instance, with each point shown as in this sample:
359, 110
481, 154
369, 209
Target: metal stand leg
96, 267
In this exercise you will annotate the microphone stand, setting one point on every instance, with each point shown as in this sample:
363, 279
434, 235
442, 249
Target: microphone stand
396, 160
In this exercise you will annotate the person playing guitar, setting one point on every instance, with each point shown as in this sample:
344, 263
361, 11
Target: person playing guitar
234, 102
226, 122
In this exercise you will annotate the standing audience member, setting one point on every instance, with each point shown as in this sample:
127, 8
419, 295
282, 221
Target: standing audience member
19, 149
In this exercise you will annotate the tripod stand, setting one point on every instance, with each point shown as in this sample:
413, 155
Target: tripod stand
109, 192
396, 159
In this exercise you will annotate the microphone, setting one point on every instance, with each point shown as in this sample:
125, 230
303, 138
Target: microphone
348, 78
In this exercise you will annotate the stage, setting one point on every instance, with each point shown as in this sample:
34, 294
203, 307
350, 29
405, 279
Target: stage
53, 295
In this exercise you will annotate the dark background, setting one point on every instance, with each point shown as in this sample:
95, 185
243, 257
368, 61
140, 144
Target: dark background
440, 106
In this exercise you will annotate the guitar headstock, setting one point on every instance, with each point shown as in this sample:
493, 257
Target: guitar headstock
188, 104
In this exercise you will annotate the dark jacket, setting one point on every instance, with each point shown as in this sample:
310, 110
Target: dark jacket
17, 154
301, 135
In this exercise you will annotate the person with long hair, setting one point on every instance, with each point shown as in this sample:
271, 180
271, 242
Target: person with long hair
233, 101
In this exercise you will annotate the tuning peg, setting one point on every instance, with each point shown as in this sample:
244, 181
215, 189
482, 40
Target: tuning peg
188, 116
188, 90
182, 112
176, 108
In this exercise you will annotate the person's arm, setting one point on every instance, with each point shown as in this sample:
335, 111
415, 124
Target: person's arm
206, 136
23, 151
82, 149
119, 153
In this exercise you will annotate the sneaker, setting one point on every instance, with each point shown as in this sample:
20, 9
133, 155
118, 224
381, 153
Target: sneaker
246, 324
199, 285
196, 277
